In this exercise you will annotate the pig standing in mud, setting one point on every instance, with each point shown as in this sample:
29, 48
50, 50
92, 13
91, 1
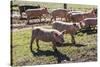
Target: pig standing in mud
70, 28
46, 35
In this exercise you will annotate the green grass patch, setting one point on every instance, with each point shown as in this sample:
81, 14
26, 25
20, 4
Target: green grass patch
23, 56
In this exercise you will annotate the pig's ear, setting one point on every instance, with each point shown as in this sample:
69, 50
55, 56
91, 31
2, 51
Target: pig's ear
55, 34
74, 24
63, 31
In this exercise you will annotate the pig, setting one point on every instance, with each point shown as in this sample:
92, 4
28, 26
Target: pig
60, 13
75, 16
88, 22
70, 28
23, 8
90, 14
36, 13
46, 35
95, 11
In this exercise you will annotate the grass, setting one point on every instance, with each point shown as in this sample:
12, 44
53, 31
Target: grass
85, 50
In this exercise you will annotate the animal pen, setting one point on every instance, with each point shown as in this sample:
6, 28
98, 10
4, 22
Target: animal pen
52, 33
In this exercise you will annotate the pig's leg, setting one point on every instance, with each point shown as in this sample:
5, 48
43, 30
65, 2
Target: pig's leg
73, 39
61, 18
21, 14
54, 46
40, 18
28, 20
32, 39
37, 43
66, 19
44, 18
51, 19
55, 18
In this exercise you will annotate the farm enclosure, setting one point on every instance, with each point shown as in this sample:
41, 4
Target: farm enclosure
85, 49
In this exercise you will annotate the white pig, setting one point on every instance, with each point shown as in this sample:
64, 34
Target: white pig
46, 35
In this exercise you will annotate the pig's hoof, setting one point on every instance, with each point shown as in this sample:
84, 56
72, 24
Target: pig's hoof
74, 43
38, 49
31, 50
55, 49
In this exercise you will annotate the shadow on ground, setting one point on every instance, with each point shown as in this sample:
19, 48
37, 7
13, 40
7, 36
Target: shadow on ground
71, 44
89, 31
58, 55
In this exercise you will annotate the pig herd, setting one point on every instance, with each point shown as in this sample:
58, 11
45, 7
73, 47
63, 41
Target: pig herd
74, 21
